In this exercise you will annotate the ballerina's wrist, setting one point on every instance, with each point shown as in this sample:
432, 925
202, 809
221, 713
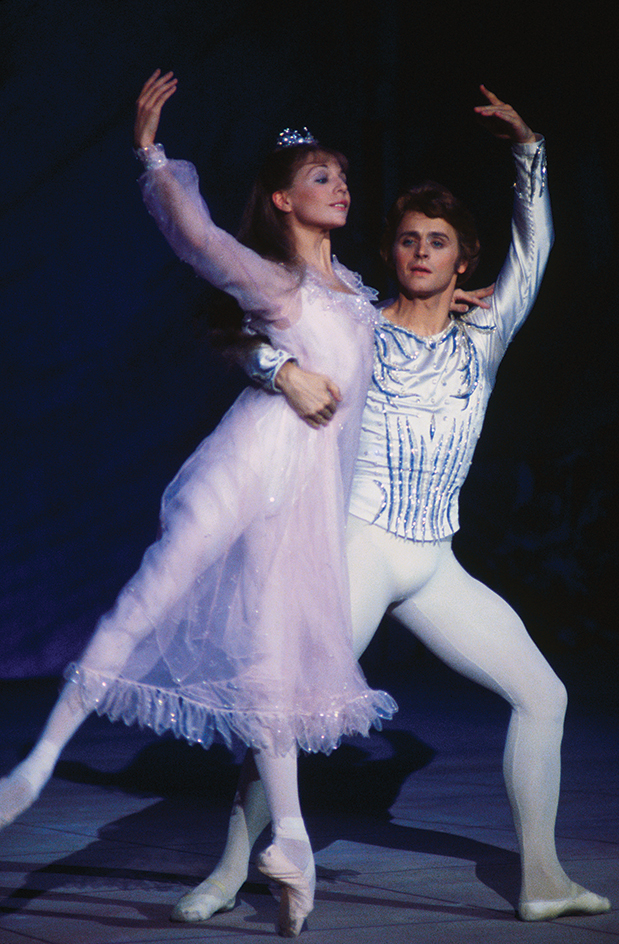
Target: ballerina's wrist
151, 156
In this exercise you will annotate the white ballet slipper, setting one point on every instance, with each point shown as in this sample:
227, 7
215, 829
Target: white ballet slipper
582, 903
200, 904
297, 889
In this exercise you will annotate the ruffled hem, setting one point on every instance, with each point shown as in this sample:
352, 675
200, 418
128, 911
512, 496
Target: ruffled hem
185, 717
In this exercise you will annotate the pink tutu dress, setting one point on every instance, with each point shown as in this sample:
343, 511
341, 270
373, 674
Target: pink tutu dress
237, 622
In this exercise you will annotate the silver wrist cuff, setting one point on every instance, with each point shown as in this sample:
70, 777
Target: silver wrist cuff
151, 156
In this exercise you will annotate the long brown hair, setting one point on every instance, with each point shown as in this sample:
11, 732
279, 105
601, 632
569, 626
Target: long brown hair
264, 229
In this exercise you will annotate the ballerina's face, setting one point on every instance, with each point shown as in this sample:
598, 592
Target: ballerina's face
318, 197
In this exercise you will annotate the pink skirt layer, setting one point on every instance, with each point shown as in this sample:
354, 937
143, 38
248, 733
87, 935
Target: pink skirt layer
237, 623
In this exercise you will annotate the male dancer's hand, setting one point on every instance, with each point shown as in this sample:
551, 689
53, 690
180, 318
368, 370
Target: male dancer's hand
313, 397
503, 121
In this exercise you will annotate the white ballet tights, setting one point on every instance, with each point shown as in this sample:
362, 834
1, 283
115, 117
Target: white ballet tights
288, 861
476, 633
198, 534
19, 790
168, 567
279, 779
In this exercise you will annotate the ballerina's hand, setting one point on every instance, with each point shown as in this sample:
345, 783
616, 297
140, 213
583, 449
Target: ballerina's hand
312, 396
156, 91
461, 301
503, 121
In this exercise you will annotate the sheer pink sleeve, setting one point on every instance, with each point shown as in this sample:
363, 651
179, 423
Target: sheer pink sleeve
265, 290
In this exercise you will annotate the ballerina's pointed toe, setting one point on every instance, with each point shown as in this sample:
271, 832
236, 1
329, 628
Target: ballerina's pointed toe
16, 796
585, 903
297, 889
200, 906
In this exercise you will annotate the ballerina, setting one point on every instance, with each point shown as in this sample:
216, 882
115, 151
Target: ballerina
237, 623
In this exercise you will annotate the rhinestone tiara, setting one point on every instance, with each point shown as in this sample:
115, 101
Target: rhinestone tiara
290, 138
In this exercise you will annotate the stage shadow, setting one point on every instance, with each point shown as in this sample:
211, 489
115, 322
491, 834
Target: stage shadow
355, 786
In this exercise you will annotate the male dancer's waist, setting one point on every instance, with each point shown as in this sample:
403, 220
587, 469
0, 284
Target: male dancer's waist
407, 502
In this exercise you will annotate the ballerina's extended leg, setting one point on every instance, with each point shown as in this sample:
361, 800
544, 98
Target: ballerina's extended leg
168, 569
116, 636
21, 788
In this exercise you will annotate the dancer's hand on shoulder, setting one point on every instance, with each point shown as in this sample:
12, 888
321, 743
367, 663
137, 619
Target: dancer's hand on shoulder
313, 397
503, 121
155, 93
462, 300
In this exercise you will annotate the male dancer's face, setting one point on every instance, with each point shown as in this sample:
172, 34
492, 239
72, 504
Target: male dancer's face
426, 256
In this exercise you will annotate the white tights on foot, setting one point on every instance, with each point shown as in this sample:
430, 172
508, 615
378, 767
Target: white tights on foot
578, 902
21, 788
202, 902
250, 816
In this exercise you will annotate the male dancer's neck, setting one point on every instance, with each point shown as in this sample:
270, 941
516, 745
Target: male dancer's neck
422, 316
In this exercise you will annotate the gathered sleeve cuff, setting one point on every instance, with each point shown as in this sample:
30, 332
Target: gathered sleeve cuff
262, 363
265, 290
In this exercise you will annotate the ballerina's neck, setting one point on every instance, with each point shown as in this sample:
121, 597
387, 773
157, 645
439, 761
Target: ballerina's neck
316, 254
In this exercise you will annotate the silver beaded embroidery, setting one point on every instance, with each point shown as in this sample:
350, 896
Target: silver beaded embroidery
415, 433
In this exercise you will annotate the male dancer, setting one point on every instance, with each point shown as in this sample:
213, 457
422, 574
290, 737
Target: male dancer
433, 375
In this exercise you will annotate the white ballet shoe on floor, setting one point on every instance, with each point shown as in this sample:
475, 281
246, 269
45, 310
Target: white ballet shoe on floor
297, 889
200, 904
17, 794
582, 903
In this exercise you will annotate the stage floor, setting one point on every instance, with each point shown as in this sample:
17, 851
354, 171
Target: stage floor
411, 829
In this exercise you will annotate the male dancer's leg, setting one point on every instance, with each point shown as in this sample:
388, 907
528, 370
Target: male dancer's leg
249, 818
383, 570
476, 633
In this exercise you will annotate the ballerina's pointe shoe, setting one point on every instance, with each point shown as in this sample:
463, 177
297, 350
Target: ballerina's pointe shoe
582, 903
200, 904
297, 889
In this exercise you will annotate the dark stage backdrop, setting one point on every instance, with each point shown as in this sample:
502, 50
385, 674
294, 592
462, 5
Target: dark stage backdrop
108, 378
